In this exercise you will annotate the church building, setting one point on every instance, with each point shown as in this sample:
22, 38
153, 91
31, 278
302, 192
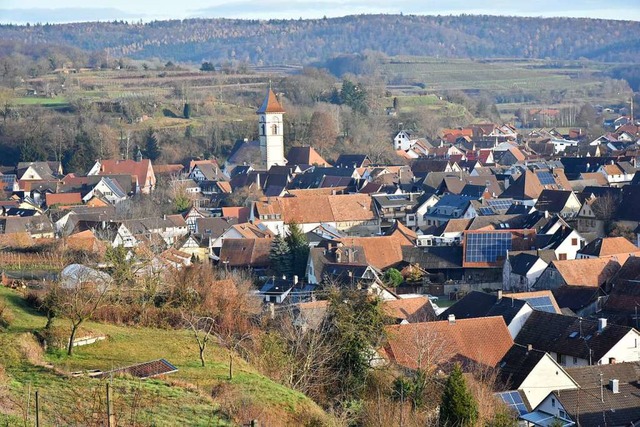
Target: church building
269, 149
271, 131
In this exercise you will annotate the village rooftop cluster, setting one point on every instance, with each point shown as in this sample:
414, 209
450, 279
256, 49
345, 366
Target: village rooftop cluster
534, 232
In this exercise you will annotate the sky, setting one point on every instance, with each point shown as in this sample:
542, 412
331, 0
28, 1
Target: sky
33, 11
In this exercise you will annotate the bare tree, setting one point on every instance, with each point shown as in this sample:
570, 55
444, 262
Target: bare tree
77, 298
202, 328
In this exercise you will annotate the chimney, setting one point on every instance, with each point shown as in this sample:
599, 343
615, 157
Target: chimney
506, 183
272, 310
452, 319
284, 277
529, 347
602, 323
295, 279
614, 386
499, 294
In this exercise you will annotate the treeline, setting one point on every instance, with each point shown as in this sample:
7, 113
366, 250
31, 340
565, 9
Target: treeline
302, 41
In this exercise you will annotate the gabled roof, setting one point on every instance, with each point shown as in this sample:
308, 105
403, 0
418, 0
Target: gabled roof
63, 199
245, 253
352, 161
382, 251
480, 304
628, 207
595, 404
526, 187
569, 335
305, 156
482, 341
329, 208
522, 262
128, 167
416, 309
553, 201
270, 104
608, 246
245, 153
538, 300
585, 272
517, 364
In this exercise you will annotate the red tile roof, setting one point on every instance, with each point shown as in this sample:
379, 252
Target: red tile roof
270, 104
483, 340
63, 199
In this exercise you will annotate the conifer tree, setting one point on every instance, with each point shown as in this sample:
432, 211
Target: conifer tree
280, 256
458, 407
151, 148
298, 249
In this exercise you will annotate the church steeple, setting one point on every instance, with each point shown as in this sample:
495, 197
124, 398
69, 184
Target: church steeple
270, 129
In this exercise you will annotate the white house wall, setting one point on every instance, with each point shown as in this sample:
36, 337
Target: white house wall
544, 378
519, 320
626, 350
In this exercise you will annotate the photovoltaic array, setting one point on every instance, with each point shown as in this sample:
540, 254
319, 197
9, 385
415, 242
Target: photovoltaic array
514, 401
546, 178
487, 247
541, 304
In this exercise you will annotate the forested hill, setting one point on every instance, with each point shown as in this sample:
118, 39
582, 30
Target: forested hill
303, 41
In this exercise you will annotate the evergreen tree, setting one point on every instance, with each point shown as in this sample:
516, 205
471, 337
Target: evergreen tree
186, 112
458, 407
298, 249
151, 148
393, 277
355, 324
280, 256
82, 155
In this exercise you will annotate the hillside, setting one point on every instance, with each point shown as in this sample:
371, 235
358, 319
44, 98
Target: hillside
193, 395
303, 41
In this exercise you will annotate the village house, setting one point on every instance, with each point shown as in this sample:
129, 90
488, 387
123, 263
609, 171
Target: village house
606, 395
609, 247
532, 372
471, 342
522, 269
575, 341
354, 213
140, 170
480, 304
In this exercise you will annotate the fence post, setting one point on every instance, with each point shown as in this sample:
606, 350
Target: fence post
110, 417
37, 409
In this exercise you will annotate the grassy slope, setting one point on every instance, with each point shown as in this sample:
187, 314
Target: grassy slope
182, 400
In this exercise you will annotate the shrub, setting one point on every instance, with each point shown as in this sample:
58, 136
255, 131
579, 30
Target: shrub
6, 316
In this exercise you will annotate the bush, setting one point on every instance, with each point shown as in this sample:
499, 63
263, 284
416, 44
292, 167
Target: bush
393, 277
6, 316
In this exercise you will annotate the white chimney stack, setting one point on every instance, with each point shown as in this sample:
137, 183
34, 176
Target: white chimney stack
602, 323
614, 385
452, 319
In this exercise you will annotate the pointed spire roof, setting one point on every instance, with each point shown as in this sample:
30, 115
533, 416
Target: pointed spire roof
270, 104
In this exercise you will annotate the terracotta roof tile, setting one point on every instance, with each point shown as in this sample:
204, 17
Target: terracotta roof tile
330, 208
586, 272
63, 199
270, 104
417, 309
483, 340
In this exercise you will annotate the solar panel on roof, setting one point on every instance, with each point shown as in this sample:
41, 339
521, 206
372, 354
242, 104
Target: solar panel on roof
514, 401
545, 178
500, 203
396, 197
487, 247
486, 211
541, 304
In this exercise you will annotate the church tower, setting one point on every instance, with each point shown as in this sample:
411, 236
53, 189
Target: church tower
271, 131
